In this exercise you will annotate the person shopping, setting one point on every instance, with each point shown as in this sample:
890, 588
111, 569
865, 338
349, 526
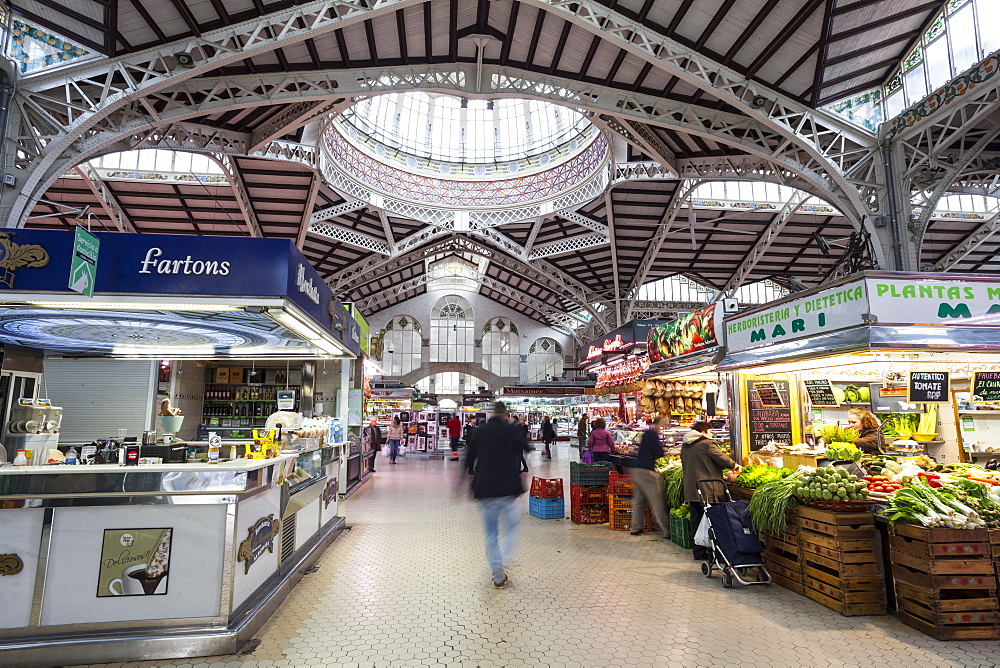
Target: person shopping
374, 437
548, 436
702, 459
581, 433
395, 436
454, 433
647, 484
867, 426
494, 459
600, 442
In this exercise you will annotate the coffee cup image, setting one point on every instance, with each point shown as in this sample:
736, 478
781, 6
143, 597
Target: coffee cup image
135, 581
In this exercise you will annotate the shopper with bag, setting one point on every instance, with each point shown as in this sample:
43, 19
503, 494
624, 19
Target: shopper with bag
494, 460
701, 459
600, 442
647, 484
395, 436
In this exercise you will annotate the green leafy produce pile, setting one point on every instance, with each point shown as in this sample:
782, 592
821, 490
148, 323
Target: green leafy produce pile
772, 504
963, 504
831, 483
840, 451
832, 434
856, 394
682, 511
673, 487
753, 476
900, 424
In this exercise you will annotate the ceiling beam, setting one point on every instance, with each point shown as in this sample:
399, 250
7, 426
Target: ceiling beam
291, 118
566, 246
109, 202
307, 208
243, 199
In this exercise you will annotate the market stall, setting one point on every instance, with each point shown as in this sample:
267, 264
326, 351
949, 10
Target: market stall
917, 354
167, 399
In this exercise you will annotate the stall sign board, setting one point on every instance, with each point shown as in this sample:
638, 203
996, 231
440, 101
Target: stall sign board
134, 562
768, 423
286, 400
891, 399
818, 313
928, 387
821, 392
260, 539
83, 264
355, 405
928, 300
768, 394
986, 387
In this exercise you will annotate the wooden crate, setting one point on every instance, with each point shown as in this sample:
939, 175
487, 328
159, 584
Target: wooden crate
842, 526
966, 614
843, 551
917, 578
849, 597
789, 578
935, 559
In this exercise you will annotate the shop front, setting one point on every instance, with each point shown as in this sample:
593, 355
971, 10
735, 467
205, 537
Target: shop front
181, 373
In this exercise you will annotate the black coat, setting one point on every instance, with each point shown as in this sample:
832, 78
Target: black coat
494, 459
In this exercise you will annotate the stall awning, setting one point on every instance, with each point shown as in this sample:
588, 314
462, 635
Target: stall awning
171, 296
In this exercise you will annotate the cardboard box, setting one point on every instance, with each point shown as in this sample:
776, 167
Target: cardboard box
236, 375
222, 375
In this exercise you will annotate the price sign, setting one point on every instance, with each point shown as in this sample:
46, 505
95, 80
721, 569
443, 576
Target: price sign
891, 400
928, 387
821, 393
768, 423
986, 387
768, 394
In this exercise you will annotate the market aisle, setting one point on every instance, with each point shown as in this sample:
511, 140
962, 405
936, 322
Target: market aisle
408, 585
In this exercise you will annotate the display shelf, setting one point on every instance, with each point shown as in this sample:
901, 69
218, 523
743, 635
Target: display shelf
982, 412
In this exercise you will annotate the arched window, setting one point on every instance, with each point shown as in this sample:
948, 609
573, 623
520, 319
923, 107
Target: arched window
450, 382
401, 345
501, 348
545, 359
452, 330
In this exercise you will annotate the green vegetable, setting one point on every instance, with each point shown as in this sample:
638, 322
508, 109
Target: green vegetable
773, 503
832, 434
682, 511
840, 451
839, 394
753, 476
673, 487
928, 421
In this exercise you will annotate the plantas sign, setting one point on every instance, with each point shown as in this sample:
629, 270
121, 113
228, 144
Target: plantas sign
928, 387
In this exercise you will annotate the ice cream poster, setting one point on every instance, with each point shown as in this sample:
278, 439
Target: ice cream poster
134, 562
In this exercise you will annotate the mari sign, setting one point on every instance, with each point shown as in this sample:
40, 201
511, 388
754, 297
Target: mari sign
83, 264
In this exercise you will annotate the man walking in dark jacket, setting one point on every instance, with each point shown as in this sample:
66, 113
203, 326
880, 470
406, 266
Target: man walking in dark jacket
494, 459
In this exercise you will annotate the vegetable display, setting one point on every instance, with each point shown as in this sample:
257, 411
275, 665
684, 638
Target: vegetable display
772, 504
841, 451
832, 434
830, 483
882, 484
756, 475
673, 486
855, 394
682, 511
928, 421
953, 506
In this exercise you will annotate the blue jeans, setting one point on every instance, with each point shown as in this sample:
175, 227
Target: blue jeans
393, 449
497, 551
454, 446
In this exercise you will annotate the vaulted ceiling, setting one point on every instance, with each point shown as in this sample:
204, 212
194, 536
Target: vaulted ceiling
691, 90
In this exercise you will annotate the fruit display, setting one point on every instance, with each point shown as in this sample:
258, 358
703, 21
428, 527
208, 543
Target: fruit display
830, 483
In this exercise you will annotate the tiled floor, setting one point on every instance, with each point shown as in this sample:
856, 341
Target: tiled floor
409, 586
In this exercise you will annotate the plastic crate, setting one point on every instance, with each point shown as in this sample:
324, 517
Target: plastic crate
583, 495
681, 533
547, 508
589, 514
548, 488
589, 474
620, 519
619, 502
620, 483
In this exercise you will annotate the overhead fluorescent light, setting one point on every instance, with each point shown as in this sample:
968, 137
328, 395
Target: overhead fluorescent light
301, 327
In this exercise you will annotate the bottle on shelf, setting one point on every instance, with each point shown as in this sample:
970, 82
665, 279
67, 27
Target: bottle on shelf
20, 459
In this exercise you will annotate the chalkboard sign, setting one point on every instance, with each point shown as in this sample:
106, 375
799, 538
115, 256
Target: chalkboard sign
821, 393
928, 387
767, 393
768, 423
986, 387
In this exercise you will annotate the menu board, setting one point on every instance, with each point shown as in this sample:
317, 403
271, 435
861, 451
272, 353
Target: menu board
986, 387
821, 392
928, 387
768, 423
768, 394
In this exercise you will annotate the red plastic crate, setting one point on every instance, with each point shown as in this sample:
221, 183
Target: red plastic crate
586, 495
589, 514
619, 483
547, 488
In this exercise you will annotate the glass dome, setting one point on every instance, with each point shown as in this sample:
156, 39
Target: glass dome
445, 128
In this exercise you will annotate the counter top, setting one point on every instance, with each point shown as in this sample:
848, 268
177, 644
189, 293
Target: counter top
186, 467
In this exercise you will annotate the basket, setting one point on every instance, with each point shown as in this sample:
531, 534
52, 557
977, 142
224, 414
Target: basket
620, 483
582, 495
547, 487
589, 514
589, 474
681, 533
847, 506
550, 508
